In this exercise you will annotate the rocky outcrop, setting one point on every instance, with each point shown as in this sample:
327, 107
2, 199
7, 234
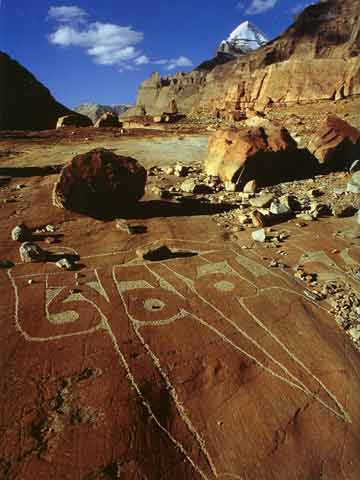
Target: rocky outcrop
317, 58
99, 182
25, 104
108, 119
259, 154
96, 110
74, 120
336, 144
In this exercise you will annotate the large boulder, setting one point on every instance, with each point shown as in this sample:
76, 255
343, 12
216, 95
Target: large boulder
265, 154
108, 119
74, 120
100, 182
336, 144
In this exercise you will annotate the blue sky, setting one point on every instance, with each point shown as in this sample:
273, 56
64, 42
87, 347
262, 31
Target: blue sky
100, 50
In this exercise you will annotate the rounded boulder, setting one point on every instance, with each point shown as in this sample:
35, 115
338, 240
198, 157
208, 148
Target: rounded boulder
100, 182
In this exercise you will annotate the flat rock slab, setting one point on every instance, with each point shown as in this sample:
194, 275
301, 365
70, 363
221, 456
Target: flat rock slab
205, 366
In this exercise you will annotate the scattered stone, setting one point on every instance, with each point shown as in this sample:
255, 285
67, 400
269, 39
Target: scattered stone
50, 228
230, 187
278, 208
343, 210
355, 166
250, 187
355, 333
259, 235
353, 185
258, 219
30, 282
20, 233
99, 181
65, 264
314, 193
181, 170
243, 219
30, 252
188, 186
305, 217
108, 119
262, 201
318, 210
313, 295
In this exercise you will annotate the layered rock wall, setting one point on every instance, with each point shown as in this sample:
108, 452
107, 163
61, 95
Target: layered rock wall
317, 58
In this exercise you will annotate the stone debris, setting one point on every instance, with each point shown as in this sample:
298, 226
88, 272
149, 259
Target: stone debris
30, 252
262, 201
20, 233
353, 185
250, 187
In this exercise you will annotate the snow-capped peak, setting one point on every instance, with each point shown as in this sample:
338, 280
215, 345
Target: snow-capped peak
245, 38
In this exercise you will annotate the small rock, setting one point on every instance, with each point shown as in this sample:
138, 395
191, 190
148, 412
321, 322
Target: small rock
305, 217
262, 201
278, 208
250, 187
343, 210
181, 170
188, 186
50, 228
314, 193
259, 235
353, 185
355, 333
230, 187
20, 233
65, 264
243, 219
357, 216
258, 219
30, 252
30, 282
355, 166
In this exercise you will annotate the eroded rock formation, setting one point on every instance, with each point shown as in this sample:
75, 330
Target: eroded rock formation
316, 59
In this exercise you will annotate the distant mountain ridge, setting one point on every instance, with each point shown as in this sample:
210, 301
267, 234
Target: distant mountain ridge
96, 110
25, 103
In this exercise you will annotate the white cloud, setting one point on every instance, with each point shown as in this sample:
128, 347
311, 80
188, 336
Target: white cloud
142, 60
105, 43
68, 14
260, 6
178, 62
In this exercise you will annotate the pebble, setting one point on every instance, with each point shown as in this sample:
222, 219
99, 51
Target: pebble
259, 235
20, 233
30, 252
65, 264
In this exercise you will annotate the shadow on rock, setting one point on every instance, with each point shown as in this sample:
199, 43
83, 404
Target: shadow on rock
23, 172
158, 208
278, 167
